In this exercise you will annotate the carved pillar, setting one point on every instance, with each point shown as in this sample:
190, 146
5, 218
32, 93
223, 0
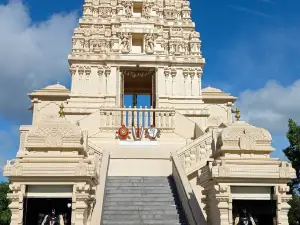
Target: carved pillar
80, 85
73, 70
167, 75
36, 109
23, 133
193, 83
81, 204
100, 80
282, 204
16, 205
185, 75
107, 83
224, 203
199, 75
173, 73
87, 71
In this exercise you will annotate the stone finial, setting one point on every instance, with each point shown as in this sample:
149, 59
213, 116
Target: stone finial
61, 111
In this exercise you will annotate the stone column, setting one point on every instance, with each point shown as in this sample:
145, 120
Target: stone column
73, 70
173, 73
185, 75
222, 193
193, 83
23, 133
87, 83
282, 204
16, 205
81, 204
80, 82
36, 109
100, 80
167, 74
107, 83
199, 75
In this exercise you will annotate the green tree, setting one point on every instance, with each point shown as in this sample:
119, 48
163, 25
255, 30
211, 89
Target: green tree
5, 213
293, 154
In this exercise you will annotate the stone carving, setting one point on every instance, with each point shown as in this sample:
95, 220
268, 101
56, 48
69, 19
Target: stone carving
73, 70
196, 153
147, 8
125, 42
150, 44
54, 132
128, 8
54, 139
99, 46
105, 12
170, 13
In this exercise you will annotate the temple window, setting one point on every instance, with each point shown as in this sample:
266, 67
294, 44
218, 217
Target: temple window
137, 43
137, 9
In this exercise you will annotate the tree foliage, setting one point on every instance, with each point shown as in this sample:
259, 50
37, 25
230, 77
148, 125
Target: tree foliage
293, 154
5, 213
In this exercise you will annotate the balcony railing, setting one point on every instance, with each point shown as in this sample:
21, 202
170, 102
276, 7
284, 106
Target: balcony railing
131, 117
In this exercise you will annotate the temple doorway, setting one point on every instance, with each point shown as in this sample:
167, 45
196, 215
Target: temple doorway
262, 211
39, 210
138, 87
138, 93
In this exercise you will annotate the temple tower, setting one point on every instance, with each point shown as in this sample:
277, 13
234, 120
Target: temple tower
136, 47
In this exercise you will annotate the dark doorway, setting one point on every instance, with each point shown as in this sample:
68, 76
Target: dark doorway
262, 211
35, 209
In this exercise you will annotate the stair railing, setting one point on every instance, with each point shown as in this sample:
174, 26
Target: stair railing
186, 194
100, 189
195, 155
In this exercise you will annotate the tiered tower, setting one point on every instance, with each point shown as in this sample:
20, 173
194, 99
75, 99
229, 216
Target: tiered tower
147, 47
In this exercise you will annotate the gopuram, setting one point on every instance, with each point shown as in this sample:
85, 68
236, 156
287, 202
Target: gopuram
181, 155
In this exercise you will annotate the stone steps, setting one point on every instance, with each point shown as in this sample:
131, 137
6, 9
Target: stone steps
141, 200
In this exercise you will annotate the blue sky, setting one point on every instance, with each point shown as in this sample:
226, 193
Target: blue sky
252, 50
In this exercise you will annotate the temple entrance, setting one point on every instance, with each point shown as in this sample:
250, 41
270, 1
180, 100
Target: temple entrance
262, 211
138, 87
138, 93
38, 211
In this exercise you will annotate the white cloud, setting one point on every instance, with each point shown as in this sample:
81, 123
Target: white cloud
271, 106
32, 54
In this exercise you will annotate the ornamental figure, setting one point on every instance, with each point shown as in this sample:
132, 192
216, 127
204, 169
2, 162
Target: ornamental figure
125, 42
123, 132
152, 132
138, 132
149, 39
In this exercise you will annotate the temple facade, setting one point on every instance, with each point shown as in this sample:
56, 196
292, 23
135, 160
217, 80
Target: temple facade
137, 130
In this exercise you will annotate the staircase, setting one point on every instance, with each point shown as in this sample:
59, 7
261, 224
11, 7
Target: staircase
141, 200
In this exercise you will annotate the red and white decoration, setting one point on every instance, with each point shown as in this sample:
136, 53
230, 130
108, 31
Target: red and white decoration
152, 132
123, 132
138, 132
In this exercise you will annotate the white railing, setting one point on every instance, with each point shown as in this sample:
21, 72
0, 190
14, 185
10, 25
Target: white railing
132, 117
195, 155
191, 207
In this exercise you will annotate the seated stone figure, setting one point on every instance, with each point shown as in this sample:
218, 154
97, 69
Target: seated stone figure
245, 218
52, 219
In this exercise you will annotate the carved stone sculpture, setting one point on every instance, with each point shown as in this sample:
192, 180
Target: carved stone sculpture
147, 7
125, 43
149, 40
128, 8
